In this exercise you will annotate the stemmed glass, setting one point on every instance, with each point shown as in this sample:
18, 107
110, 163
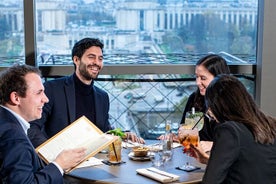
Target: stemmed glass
193, 120
188, 134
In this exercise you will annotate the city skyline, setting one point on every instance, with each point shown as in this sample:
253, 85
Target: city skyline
137, 27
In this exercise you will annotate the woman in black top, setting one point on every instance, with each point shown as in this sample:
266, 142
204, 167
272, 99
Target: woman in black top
244, 138
206, 69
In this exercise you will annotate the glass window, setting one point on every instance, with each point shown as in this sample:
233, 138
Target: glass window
163, 32
149, 33
11, 32
143, 103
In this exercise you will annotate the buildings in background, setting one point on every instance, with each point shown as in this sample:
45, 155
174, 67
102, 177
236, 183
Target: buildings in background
125, 26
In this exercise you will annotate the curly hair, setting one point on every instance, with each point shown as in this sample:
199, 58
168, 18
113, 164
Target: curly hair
81, 46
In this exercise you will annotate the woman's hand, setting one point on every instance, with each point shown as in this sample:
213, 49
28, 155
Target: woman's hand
206, 146
175, 137
199, 154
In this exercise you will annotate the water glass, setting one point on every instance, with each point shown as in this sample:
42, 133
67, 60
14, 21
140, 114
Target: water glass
167, 154
157, 156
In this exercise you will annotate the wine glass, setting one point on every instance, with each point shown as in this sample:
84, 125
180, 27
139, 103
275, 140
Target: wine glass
187, 135
194, 119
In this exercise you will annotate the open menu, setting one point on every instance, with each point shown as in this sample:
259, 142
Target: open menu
80, 133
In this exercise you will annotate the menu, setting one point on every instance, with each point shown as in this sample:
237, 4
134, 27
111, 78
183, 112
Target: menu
80, 133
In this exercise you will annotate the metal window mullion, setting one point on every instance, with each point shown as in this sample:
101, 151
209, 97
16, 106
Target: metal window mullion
29, 32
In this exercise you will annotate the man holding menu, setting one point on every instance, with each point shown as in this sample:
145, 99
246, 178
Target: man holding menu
22, 98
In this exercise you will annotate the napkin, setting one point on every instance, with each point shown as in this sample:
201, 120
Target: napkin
158, 175
129, 144
92, 161
158, 146
176, 145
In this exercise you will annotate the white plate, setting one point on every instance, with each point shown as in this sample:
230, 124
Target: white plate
131, 156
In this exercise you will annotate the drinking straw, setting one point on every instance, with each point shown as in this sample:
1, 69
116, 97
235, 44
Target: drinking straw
115, 151
197, 122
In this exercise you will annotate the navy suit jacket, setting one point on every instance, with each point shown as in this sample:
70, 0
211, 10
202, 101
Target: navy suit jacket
61, 110
18, 159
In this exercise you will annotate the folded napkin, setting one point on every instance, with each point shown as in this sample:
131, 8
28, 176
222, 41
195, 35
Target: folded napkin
159, 146
92, 161
158, 175
129, 144
176, 144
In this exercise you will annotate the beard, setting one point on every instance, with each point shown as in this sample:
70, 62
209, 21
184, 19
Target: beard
85, 73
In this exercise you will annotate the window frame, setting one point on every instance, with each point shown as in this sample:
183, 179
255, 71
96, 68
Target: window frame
51, 71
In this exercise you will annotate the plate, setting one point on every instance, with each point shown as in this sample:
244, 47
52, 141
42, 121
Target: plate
131, 156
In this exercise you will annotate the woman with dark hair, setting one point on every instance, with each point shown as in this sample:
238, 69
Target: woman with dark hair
244, 139
206, 69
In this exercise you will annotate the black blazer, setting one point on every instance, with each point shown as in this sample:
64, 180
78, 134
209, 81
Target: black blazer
237, 158
19, 161
61, 110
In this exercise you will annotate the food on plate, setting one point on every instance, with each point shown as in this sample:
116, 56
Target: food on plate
140, 151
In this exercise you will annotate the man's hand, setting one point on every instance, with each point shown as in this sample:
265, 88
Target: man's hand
134, 138
70, 158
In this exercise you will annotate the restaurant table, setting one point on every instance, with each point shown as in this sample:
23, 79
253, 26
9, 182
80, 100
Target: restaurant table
126, 173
